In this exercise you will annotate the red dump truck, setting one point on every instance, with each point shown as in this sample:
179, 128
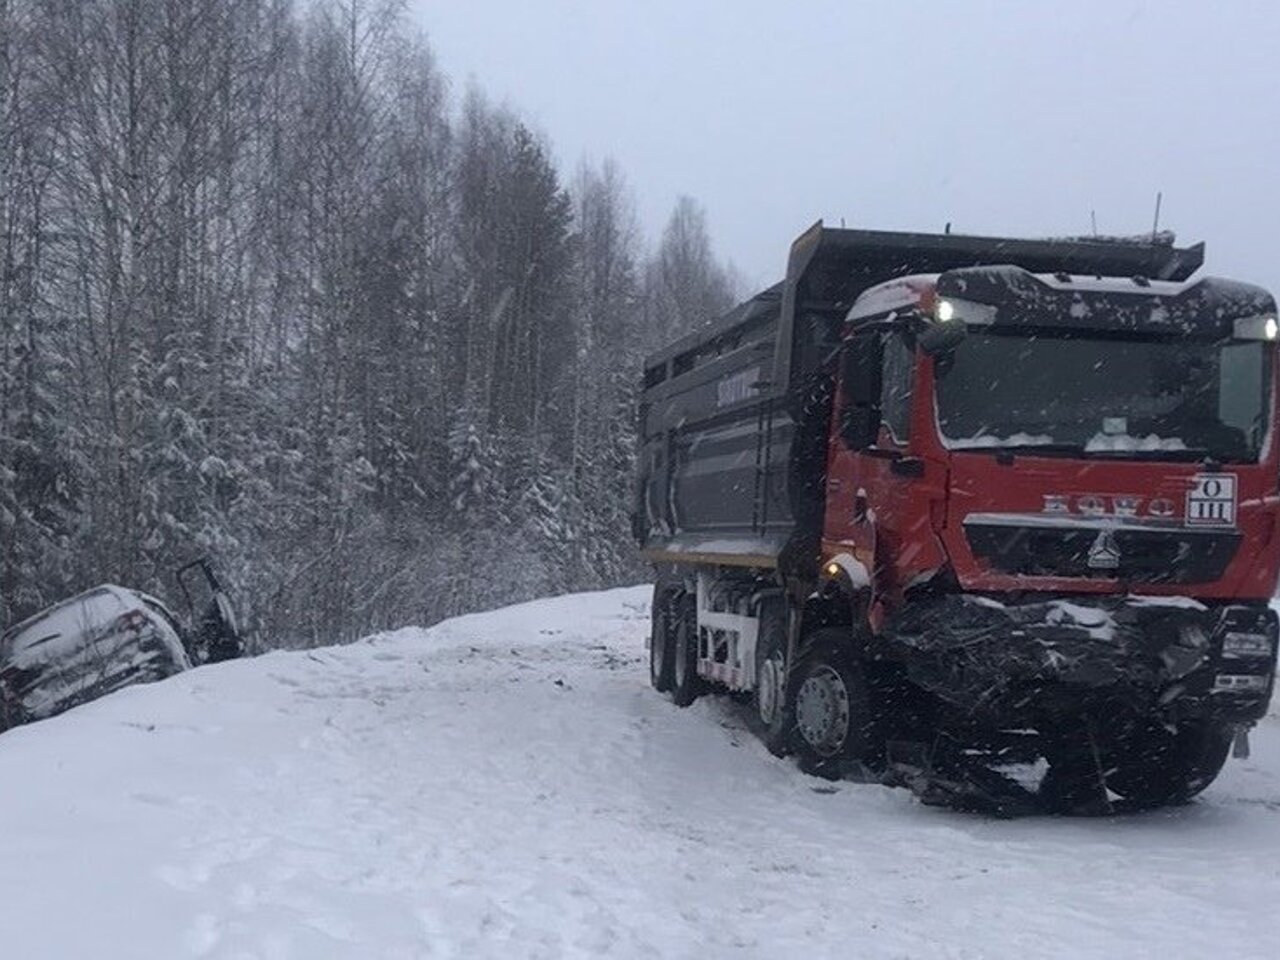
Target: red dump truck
991, 518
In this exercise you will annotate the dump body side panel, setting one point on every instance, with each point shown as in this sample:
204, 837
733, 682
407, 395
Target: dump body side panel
715, 445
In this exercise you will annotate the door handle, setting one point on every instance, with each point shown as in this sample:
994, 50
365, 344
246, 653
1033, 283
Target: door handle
907, 467
860, 507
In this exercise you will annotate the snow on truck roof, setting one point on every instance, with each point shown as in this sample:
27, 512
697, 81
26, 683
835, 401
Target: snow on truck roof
899, 294
793, 323
908, 292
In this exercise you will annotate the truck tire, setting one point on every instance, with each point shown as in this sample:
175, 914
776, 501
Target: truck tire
686, 685
1155, 767
834, 721
661, 640
772, 715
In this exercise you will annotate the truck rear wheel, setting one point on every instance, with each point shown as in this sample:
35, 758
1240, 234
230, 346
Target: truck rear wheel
773, 717
833, 716
1153, 766
660, 638
686, 685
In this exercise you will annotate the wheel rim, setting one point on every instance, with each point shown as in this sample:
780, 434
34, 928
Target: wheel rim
822, 710
769, 689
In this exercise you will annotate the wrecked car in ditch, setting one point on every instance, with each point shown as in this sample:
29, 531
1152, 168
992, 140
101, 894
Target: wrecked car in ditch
108, 638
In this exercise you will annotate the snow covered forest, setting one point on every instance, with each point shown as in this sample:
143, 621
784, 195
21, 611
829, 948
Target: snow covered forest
272, 288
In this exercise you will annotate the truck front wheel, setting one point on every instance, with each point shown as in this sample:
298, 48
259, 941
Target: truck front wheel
1154, 766
833, 717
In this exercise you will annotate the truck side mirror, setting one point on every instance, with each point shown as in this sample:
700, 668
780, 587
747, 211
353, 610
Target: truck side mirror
860, 386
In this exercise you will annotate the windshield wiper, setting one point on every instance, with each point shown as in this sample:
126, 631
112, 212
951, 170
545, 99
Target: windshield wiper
1177, 455
1024, 448
1185, 454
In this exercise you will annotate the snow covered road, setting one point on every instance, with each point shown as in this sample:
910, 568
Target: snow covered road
508, 785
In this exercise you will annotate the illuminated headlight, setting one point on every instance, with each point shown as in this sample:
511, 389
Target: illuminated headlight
1240, 683
949, 309
1266, 327
1239, 646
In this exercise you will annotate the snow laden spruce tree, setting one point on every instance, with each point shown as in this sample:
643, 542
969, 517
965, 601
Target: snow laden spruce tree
268, 292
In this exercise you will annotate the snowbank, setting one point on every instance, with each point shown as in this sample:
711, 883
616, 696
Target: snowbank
507, 785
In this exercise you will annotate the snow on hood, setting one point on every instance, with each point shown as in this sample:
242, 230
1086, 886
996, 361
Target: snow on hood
990, 440
1100, 442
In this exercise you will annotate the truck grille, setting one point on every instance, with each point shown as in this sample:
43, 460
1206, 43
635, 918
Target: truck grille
1031, 546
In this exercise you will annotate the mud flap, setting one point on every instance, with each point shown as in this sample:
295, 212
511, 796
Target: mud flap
1240, 744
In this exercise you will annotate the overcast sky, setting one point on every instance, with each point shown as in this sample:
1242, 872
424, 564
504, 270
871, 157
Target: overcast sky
1001, 117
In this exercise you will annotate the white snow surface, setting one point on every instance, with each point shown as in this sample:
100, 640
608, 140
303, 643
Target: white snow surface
508, 785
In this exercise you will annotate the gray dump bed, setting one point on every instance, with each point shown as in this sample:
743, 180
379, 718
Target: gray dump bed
733, 418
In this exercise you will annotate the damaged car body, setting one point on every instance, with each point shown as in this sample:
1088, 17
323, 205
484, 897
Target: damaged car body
109, 638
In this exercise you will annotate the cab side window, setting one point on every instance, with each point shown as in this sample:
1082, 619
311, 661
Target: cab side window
895, 387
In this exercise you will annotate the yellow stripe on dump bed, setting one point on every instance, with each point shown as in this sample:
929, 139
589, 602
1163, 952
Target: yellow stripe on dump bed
658, 555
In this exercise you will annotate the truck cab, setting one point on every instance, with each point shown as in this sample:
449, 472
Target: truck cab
1113, 438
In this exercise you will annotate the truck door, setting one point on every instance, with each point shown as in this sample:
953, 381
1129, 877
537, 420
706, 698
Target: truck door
873, 480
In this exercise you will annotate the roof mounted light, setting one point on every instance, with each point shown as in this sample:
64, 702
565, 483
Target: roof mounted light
952, 309
1265, 327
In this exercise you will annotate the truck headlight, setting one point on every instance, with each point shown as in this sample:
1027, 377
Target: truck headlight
1241, 646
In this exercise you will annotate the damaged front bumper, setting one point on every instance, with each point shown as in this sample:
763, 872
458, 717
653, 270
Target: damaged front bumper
1155, 655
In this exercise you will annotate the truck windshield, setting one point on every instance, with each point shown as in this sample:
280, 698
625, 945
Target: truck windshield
1138, 398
